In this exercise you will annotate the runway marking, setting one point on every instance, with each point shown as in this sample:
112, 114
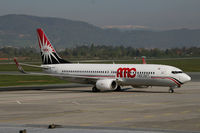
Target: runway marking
74, 102
185, 112
18, 102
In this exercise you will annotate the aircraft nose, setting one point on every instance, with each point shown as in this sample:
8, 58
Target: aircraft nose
186, 78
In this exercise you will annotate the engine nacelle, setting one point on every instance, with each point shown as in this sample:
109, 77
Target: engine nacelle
106, 84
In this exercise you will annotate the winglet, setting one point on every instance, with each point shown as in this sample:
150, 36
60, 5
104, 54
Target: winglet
143, 60
19, 66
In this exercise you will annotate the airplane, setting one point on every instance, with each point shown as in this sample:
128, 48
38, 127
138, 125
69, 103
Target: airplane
105, 76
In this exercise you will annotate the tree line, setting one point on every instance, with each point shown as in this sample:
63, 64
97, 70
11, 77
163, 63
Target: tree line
121, 52
104, 52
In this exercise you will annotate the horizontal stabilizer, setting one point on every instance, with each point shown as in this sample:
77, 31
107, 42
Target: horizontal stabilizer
19, 66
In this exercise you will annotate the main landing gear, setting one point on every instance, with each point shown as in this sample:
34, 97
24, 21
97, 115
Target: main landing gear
118, 88
171, 90
94, 89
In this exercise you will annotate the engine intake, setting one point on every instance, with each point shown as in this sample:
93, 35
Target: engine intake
106, 84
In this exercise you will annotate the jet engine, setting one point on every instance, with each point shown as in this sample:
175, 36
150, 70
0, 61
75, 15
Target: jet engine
106, 84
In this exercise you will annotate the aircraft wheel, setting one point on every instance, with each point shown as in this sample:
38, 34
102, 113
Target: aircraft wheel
118, 88
94, 89
171, 90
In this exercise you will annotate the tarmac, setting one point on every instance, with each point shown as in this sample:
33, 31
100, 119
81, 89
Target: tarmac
74, 108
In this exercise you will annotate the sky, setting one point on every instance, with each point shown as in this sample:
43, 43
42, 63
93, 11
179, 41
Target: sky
150, 14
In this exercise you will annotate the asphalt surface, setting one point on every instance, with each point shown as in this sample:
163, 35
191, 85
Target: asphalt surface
74, 129
44, 87
74, 108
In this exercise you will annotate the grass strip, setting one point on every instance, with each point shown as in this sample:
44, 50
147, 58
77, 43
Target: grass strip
21, 80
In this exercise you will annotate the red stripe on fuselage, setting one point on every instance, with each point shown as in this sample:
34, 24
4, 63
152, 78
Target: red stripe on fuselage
167, 78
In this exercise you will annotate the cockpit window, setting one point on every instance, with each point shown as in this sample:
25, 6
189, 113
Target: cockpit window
176, 72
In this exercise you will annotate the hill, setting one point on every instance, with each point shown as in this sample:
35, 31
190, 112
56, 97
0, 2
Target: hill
20, 31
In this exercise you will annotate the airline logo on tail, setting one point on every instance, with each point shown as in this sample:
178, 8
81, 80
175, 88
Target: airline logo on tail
48, 53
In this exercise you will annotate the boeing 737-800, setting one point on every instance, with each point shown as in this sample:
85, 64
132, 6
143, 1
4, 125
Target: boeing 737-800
106, 76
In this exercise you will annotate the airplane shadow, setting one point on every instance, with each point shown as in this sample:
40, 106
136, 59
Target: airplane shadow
124, 90
69, 89
141, 91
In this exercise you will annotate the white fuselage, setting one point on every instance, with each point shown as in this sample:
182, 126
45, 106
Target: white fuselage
136, 75
108, 76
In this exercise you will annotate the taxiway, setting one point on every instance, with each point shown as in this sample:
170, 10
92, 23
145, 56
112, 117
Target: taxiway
152, 108
76, 109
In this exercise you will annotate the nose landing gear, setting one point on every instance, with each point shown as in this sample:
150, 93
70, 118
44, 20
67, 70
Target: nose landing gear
171, 90
94, 89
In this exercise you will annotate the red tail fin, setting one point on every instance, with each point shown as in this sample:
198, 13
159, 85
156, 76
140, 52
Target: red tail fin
43, 41
48, 53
